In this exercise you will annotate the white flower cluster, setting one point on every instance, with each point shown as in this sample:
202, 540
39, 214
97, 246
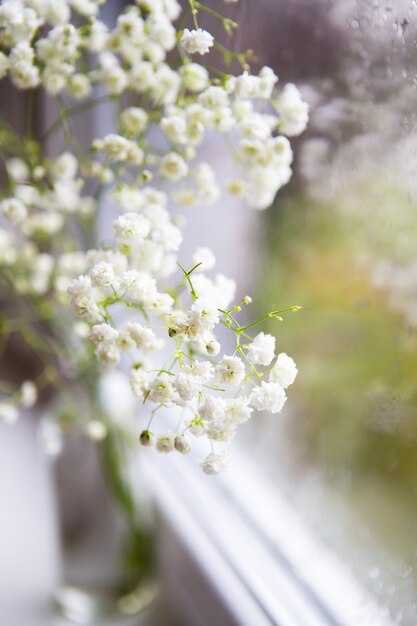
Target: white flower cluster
128, 293
44, 198
200, 379
42, 47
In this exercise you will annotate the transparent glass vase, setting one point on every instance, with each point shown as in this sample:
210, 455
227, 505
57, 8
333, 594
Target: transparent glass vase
104, 516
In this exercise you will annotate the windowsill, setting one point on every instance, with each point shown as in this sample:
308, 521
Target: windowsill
258, 563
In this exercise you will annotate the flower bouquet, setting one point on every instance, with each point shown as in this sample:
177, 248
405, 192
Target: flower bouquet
99, 313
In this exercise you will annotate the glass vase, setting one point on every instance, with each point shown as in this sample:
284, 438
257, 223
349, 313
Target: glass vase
104, 516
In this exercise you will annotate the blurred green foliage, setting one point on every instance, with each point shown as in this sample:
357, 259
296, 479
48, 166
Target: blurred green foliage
352, 414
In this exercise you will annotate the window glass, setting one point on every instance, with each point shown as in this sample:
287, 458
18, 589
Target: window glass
341, 241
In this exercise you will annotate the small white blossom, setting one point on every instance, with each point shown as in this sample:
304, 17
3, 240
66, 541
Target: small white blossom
268, 397
175, 128
108, 354
130, 230
201, 369
212, 347
79, 86
284, 371
139, 286
173, 167
219, 291
237, 410
139, 382
165, 443
231, 370
196, 41
144, 338
202, 316
64, 167
103, 333
261, 350
28, 393
182, 444
82, 297
196, 427
13, 210
18, 170
187, 386
212, 408
194, 77
102, 274
267, 81
215, 463
214, 98
133, 120
161, 389
23, 72
292, 111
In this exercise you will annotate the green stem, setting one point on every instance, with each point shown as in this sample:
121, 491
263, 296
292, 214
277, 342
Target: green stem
274, 314
227, 23
193, 12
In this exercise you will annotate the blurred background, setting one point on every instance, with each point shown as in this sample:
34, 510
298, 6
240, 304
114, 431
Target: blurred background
341, 242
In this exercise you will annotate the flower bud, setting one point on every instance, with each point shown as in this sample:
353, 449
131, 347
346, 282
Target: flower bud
146, 438
213, 347
182, 444
246, 300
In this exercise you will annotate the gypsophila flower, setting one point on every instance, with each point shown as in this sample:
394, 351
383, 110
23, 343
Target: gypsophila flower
293, 111
102, 274
133, 120
182, 444
29, 394
143, 338
268, 397
215, 463
196, 41
231, 370
212, 408
202, 316
18, 170
262, 349
13, 210
103, 333
173, 167
108, 354
165, 443
284, 371
194, 77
